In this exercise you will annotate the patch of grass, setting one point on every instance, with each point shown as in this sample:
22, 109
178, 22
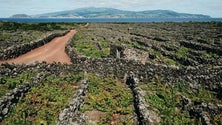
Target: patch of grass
182, 52
167, 99
135, 44
171, 62
205, 54
201, 95
161, 58
4, 36
89, 47
91, 50
109, 96
9, 83
44, 102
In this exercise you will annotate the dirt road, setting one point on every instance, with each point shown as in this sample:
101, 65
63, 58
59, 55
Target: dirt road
53, 51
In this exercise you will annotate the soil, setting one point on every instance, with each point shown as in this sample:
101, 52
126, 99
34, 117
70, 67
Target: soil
94, 115
53, 51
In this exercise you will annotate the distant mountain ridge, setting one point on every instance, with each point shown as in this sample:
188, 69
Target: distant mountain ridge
92, 12
20, 16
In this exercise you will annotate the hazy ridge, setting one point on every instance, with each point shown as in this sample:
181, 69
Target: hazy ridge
112, 13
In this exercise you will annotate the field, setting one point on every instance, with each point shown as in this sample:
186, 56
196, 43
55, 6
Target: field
167, 43
121, 74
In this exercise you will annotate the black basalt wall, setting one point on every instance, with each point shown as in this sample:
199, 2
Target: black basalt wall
211, 77
117, 68
70, 50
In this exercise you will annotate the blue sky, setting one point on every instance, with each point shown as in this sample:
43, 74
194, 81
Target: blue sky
32, 7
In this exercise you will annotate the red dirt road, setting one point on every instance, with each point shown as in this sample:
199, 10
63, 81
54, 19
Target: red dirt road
53, 51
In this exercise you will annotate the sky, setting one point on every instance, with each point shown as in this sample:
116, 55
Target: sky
33, 7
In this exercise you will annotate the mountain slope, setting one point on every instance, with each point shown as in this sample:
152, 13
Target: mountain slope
115, 13
20, 16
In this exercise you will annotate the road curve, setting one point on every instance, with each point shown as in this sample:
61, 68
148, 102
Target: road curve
54, 51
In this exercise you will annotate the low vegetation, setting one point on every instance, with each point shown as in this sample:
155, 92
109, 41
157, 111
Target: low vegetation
167, 98
108, 100
12, 33
110, 97
91, 47
13, 26
44, 102
162, 40
8, 83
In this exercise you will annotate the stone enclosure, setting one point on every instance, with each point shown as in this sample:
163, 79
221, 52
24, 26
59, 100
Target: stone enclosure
135, 65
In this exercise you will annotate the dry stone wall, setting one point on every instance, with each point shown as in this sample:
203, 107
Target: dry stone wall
11, 98
69, 49
210, 77
71, 114
117, 68
200, 46
145, 113
8, 101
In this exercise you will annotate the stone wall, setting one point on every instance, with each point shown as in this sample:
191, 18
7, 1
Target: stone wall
182, 60
8, 101
17, 50
11, 98
205, 111
146, 114
71, 114
200, 46
117, 68
72, 52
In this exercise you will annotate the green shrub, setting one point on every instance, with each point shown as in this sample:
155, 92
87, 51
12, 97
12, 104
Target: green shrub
12, 85
182, 52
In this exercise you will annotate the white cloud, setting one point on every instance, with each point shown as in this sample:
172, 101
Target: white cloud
122, 4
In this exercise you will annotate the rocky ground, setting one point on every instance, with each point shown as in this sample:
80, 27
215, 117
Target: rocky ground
188, 44
134, 74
